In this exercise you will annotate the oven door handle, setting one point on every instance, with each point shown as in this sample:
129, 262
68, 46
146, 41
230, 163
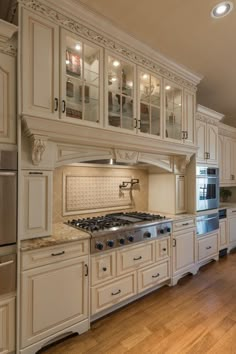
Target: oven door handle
6, 263
6, 174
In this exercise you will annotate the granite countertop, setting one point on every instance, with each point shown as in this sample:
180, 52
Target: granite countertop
178, 217
61, 233
227, 205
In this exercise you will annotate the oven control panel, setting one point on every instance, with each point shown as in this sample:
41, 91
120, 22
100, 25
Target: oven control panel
119, 239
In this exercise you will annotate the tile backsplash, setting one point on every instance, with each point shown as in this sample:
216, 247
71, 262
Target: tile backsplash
110, 178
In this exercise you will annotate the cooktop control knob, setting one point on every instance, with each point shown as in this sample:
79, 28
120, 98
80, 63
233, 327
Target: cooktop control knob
122, 241
168, 229
130, 238
110, 243
162, 231
147, 234
99, 246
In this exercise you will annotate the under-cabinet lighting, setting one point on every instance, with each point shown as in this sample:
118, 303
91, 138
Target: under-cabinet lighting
78, 47
116, 63
222, 9
111, 162
67, 62
168, 87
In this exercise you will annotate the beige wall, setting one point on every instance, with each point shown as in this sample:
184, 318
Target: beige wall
139, 192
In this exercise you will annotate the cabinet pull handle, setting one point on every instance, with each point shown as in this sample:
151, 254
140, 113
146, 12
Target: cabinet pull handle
57, 254
183, 134
118, 292
136, 122
6, 263
174, 242
136, 259
139, 127
205, 155
164, 249
56, 104
233, 211
208, 248
104, 269
86, 270
156, 276
185, 224
186, 135
63, 106
35, 173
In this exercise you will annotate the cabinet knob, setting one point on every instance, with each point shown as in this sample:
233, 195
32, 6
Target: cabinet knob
104, 269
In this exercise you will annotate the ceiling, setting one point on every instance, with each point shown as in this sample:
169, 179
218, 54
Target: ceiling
184, 31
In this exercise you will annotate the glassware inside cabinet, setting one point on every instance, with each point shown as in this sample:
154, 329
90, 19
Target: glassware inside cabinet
82, 80
120, 81
150, 102
173, 109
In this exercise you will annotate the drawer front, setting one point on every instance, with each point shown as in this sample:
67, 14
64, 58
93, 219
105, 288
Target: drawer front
207, 247
162, 249
184, 224
48, 255
105, 296
135, 257
103, 267
231, 212
153, 276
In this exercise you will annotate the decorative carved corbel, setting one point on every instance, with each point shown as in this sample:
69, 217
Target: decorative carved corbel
181, 163
38, 147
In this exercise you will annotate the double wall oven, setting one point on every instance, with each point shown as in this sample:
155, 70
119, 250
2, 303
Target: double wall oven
207, 199
8, 220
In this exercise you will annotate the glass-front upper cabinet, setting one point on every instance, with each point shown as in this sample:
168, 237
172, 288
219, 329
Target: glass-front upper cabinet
173, 111
120, 93
81, 73
149, 103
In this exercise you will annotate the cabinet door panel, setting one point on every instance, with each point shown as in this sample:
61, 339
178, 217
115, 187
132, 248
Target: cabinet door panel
40, 72
153, 276
180, 194
7, 325
7, 99
207, 247
189, 113
184, 251
212, 143
227, 158
36, 199
223, 242
221, 157
103, 267
232, 229
201, 140
53, 297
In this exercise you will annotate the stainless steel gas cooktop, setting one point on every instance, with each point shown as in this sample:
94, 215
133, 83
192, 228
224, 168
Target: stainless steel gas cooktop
119, 229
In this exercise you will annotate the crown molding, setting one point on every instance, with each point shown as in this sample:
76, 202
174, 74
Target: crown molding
227, 130
98, 30
7, 38
209, 112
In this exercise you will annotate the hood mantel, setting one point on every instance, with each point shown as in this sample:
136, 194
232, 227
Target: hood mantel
40, 131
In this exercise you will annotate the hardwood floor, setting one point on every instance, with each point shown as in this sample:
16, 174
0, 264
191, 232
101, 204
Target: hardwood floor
196, 316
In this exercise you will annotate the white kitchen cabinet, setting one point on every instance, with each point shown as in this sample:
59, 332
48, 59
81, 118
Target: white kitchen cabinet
207, 142
223, 234
183, 251
7, 324
103, 267
231, 217
152, 276
166, 193
7, 99
54, 297
207, 247
227, 162
40, 67
71, 93
36, 204
162, 249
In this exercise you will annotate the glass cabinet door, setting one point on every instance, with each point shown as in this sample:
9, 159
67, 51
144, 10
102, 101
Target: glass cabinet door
120, 83
173, 111
80, 80
150, 103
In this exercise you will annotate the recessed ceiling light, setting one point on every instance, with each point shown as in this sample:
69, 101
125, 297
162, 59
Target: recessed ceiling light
116, 63
145, 76
113, 79
168, 87
78, 47
222, 9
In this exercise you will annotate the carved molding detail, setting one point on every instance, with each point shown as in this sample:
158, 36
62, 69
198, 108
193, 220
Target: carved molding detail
9, 47
227, 133
182, 162
206, 119
38, 147
85, 32
126, 156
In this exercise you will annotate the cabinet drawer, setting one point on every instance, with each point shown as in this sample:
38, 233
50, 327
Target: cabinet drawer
110, 294
103, 267
48, 255
207, 247
162, 249
153, 276
134, 257
231, 212
184, 224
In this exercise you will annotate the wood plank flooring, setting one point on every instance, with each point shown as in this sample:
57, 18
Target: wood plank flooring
196, 316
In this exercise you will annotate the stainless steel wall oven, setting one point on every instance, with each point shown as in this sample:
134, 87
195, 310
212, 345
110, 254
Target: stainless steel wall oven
207, 184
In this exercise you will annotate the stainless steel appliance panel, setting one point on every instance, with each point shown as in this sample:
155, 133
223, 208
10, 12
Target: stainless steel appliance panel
8, 160
207, 223
207, 188
8, 202
7, 273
